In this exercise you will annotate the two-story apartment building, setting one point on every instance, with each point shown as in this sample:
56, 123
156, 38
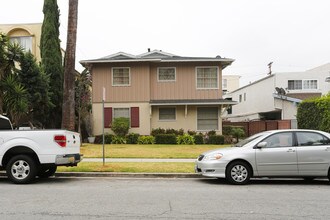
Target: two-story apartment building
276, 96
158, 89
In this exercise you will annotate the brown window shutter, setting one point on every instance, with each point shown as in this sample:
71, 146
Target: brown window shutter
107, 117
135, 117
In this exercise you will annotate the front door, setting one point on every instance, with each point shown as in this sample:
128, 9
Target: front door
278, 157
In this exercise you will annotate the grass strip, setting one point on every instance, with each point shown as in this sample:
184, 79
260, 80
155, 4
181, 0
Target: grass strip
141, 167
145, 151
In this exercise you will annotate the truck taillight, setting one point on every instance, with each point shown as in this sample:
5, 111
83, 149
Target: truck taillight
60, 140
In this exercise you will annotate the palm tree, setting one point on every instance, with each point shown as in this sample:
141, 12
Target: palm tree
68, 108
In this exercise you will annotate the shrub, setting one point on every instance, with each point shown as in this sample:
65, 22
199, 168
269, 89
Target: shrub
146, 140
132, 138
175, 132
165, 139
120, 126
199, 139
107, 138
211, 133
216, 139
156, 131
237, 133
118, 140
185, 139
192, 133
314, 114
228, 139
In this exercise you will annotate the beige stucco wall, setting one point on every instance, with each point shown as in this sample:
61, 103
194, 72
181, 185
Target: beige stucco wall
144, 115
19, 30
185, 121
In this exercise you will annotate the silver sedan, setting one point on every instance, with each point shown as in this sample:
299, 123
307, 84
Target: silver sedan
278, 153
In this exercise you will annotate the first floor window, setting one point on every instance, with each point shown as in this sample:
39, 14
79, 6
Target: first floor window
120, 76
167, 114
207, 118
207, 77
121, 112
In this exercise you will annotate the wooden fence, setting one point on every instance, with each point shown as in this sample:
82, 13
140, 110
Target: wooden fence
253, 127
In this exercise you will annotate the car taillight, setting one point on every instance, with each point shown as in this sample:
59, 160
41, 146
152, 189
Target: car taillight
60, 140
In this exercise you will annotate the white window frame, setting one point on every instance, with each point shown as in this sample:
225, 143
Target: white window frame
218, 114
129, 76
175, 114
224, 84
204, 67
161, 80
114, 109
304, 80
302, 84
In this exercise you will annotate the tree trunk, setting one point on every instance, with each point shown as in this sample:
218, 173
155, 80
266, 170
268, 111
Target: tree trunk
68, 109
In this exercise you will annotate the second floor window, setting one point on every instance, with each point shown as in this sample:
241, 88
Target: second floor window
207, 77
121, 76
224, 84
302, 84
166, 74
25, 42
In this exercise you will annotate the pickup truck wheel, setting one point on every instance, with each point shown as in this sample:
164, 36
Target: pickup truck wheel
21, 169
47, 171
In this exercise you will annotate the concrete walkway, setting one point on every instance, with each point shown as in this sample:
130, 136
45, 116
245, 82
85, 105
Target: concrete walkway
137, 160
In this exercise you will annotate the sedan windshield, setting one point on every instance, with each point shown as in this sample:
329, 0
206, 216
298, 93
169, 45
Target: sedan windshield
249, 139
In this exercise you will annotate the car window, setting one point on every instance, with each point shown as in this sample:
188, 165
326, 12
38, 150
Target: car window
311, 139
283, 139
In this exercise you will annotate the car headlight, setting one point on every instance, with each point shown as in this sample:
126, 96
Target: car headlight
215, 156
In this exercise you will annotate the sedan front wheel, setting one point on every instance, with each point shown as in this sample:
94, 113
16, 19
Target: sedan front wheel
238, 173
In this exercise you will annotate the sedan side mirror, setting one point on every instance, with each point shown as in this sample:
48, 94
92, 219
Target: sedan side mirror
261, 145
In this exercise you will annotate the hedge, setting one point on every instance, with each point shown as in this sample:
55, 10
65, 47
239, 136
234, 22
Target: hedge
216, 139
165, 139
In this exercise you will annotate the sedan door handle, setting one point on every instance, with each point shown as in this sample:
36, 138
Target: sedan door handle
291, 150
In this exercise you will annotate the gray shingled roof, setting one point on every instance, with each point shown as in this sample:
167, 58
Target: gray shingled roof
155, 56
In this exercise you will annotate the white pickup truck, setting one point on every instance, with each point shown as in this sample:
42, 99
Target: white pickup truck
27, 154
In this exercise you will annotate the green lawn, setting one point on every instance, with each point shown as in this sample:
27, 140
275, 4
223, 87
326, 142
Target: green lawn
145, 151
139, 151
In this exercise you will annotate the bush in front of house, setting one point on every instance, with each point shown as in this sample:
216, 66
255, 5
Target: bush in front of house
107, 138
132, 138
237, 133
118, 140
165, 139
120, 126
185, 139
156, 131
216, 139
146, 139
199, 138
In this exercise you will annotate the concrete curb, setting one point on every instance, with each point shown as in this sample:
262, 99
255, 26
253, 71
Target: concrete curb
127, 175
123, 175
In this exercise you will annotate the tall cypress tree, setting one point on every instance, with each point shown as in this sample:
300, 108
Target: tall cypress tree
36, 84
51, 60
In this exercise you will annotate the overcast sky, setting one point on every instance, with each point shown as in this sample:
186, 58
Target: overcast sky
293, 34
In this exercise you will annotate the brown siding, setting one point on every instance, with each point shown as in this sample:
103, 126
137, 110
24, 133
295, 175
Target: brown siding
139, 89
185, 85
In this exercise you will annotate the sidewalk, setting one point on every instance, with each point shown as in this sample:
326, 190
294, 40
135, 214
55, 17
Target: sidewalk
133, 160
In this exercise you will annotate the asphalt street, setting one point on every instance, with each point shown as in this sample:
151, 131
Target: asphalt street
163, 198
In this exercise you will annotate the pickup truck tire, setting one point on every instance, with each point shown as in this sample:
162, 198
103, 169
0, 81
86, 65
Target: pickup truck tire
47, 171
21, 169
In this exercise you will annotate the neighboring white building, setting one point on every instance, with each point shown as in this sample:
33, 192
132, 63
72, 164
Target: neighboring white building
230, 83
276, 96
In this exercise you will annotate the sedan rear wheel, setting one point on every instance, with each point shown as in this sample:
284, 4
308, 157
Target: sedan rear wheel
238, 173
